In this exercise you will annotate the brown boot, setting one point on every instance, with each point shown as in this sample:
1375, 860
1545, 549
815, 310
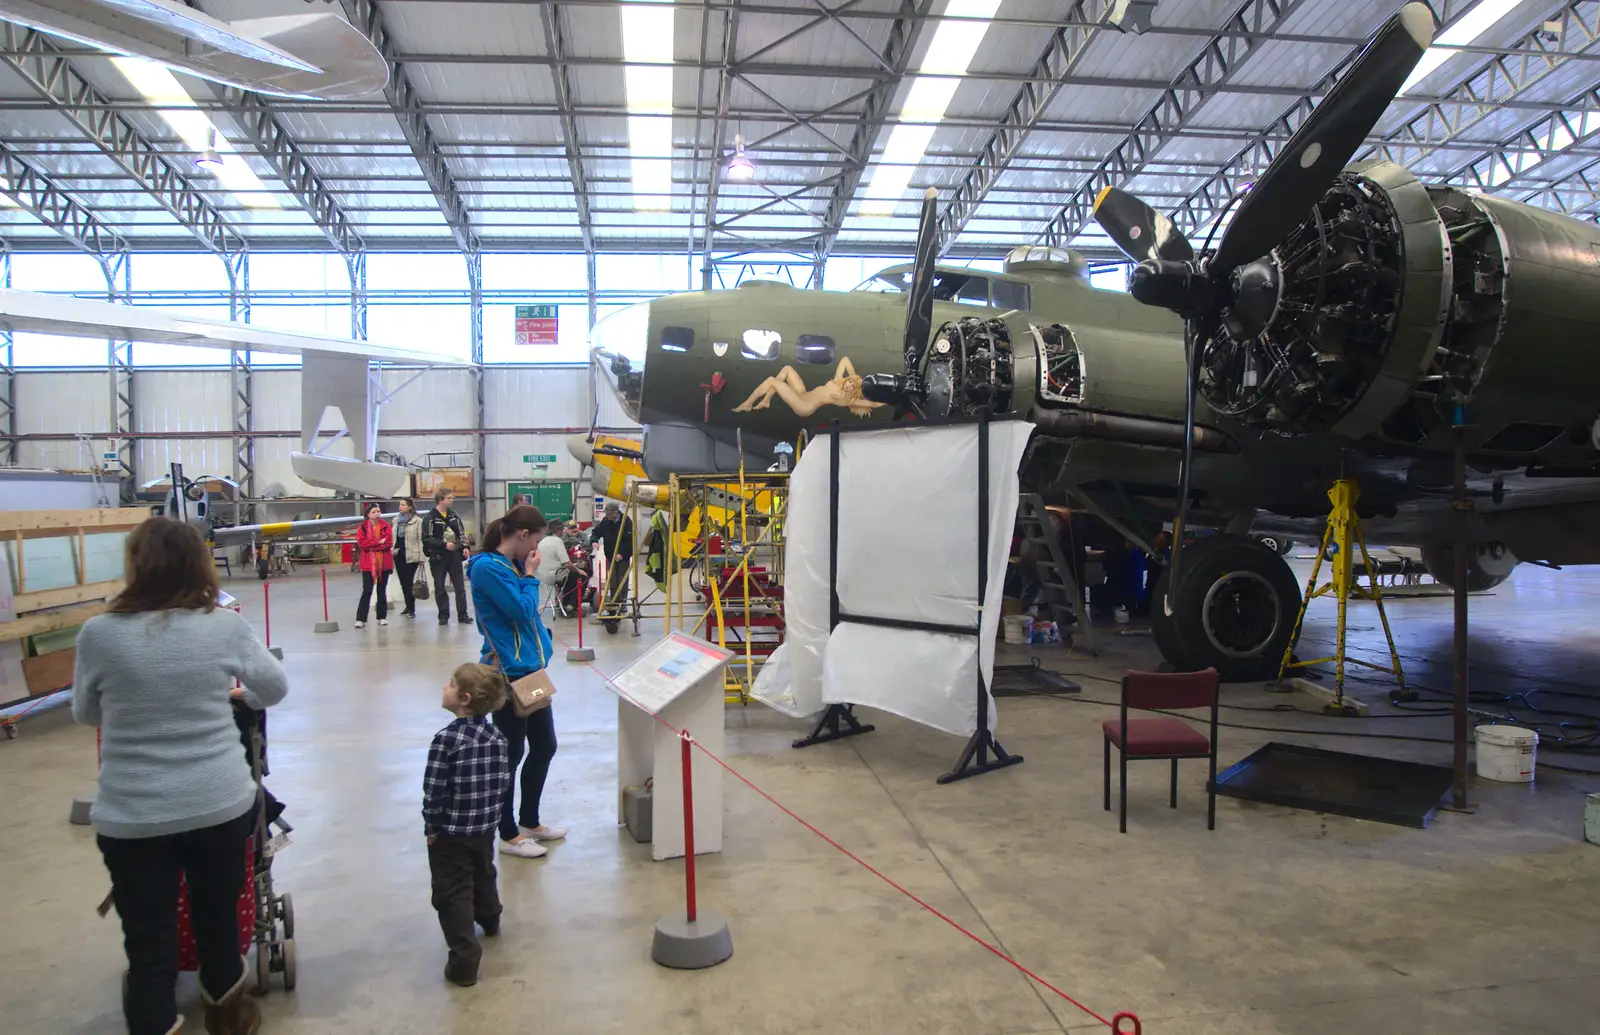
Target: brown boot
235, 1013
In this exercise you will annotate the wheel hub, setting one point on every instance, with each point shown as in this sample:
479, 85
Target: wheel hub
1241, 614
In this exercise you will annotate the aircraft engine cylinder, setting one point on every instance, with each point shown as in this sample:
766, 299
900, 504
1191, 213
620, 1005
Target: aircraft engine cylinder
969, 367
1394, 307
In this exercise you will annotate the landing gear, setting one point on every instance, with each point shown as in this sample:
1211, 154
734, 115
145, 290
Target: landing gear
1233, 610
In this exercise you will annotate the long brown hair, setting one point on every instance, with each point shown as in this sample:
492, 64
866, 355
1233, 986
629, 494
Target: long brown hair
521, 518
168, 566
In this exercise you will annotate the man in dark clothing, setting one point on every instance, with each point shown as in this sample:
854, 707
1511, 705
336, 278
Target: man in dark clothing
444, 540
615, 535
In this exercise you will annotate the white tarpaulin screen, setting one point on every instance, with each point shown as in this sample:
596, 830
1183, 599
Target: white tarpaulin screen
908, 550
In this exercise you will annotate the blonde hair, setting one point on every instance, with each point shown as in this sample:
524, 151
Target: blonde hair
485, 688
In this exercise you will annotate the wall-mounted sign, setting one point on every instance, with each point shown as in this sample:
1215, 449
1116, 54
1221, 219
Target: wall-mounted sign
538, 325
539, 458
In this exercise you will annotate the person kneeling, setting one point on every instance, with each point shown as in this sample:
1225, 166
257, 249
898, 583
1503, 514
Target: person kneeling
462, 789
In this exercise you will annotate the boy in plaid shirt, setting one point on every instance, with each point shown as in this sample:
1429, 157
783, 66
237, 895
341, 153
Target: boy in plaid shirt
463, 789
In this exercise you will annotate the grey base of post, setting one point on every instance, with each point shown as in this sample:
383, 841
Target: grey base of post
79, 816
325, 627
276, 652
682, 945
580, 653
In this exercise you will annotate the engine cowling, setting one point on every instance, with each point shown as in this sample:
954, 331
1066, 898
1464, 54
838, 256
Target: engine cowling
1392, 305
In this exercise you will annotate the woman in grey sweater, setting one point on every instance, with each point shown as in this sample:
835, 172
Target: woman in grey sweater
156, 674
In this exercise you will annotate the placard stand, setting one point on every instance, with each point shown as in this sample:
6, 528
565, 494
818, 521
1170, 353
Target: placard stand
982, 752
679, 680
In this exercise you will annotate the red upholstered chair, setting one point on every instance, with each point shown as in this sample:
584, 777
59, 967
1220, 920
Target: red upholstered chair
1164, 737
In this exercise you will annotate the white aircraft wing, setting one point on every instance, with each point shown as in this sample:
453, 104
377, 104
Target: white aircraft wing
30, 311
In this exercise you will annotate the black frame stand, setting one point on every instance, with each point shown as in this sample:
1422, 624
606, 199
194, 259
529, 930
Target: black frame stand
982, 752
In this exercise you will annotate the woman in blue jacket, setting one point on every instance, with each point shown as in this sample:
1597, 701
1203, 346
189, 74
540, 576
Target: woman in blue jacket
505, 595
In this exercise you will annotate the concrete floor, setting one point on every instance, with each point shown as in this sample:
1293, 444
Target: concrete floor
1280, 921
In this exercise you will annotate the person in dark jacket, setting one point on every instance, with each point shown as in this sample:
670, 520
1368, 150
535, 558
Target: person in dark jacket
614, 533
444, 540
505, 593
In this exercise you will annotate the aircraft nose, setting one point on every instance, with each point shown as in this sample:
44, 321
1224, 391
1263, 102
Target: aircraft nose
617, 348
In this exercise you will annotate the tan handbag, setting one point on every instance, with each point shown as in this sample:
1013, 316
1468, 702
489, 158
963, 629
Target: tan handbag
532, 692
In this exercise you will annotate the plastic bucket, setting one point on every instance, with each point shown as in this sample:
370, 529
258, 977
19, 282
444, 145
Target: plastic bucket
1506, 753
1017, 628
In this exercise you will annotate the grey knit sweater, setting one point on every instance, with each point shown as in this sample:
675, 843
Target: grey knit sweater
157, 685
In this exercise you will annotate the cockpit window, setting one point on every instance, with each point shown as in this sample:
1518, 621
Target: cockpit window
816, 349
761, 344
677, 339
617, 350
948, 285
1011, 294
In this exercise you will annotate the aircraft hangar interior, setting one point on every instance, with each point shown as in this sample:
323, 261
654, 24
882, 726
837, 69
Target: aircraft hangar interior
925, 516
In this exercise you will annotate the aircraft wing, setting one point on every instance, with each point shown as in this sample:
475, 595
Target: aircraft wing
30, 311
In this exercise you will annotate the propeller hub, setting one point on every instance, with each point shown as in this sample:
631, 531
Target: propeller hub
1178, 286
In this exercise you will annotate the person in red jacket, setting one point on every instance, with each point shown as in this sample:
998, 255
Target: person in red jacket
375, 540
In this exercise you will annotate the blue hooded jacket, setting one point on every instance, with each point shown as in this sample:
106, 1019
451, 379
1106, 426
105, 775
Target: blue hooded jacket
507, 605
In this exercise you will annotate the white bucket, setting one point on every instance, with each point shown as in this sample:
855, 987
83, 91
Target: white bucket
1018, 628
1506, 753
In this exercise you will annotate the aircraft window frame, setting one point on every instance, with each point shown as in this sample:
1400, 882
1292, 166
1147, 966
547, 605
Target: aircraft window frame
1021, 289
677, 339
964, 293
814, 350
767, 354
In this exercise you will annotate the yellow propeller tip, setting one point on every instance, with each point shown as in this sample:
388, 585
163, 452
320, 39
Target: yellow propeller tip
1098, 198
930, 193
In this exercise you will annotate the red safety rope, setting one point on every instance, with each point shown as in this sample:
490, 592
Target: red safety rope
1114, 1024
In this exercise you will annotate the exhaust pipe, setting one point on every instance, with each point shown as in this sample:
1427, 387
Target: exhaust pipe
1139, 431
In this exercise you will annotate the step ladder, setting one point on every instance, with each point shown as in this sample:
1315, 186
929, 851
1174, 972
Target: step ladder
1058, 588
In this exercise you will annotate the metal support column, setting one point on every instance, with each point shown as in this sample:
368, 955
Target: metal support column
479, 441
1462, 505
117, 268
240, 379
8, 377
356, 263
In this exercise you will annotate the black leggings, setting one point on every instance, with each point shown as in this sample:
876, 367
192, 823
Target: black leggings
538, 732
406, 572
144, 886
367, 579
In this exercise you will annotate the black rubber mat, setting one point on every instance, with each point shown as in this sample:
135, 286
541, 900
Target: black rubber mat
1382, 789
1029, 680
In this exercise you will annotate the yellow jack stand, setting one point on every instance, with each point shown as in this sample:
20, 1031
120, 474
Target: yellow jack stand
1344, 529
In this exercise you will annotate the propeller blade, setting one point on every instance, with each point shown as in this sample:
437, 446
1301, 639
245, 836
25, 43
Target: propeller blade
1326, 141
919, 300
1139, 231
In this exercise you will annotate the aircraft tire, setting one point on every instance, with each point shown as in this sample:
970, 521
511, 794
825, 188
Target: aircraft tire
1234, 609
1440, 562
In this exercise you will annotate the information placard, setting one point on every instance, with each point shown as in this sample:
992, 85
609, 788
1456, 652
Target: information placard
538, 325
668, 669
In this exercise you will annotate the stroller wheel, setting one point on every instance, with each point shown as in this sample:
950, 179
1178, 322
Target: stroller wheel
611, 626
286, 915
288, 964
263, 968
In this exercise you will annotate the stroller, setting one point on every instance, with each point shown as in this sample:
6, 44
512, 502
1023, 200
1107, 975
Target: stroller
266, 918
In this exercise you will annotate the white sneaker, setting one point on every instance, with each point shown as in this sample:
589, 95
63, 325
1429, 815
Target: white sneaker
383, 621
543, 833
361, 625
526, 848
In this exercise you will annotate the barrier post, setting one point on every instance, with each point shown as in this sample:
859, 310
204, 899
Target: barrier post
692, 940
266, 618
580, 652
325, 626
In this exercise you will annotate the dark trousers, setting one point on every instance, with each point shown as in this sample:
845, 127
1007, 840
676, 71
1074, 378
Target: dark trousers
367, 579
407, 574
538, 733
464, 893
144, 886
449, 564
617, 581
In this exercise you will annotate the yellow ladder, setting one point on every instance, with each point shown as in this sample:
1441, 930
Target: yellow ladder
1344, 530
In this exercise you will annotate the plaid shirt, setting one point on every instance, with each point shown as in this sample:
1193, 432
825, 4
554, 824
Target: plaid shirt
466, 780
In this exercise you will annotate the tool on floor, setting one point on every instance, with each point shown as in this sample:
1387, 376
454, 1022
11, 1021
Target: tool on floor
1060, 590
326, 625
1343, 531
696, 940
580, 652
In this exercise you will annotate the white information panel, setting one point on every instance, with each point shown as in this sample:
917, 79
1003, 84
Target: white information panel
675, 685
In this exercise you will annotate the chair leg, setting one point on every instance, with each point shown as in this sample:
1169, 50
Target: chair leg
1122, 789
1211, 794
1107, 781
1174, 802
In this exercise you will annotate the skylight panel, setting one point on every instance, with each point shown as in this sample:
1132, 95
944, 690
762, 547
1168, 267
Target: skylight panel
647, 51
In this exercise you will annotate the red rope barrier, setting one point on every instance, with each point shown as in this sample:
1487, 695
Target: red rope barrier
853, 857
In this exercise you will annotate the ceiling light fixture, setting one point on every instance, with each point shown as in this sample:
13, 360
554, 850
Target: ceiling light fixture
943, 65
209, 159
647, 53
1463, 33
739, 166
162, 91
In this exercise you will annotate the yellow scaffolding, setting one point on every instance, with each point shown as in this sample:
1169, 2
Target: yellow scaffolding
1343, 530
